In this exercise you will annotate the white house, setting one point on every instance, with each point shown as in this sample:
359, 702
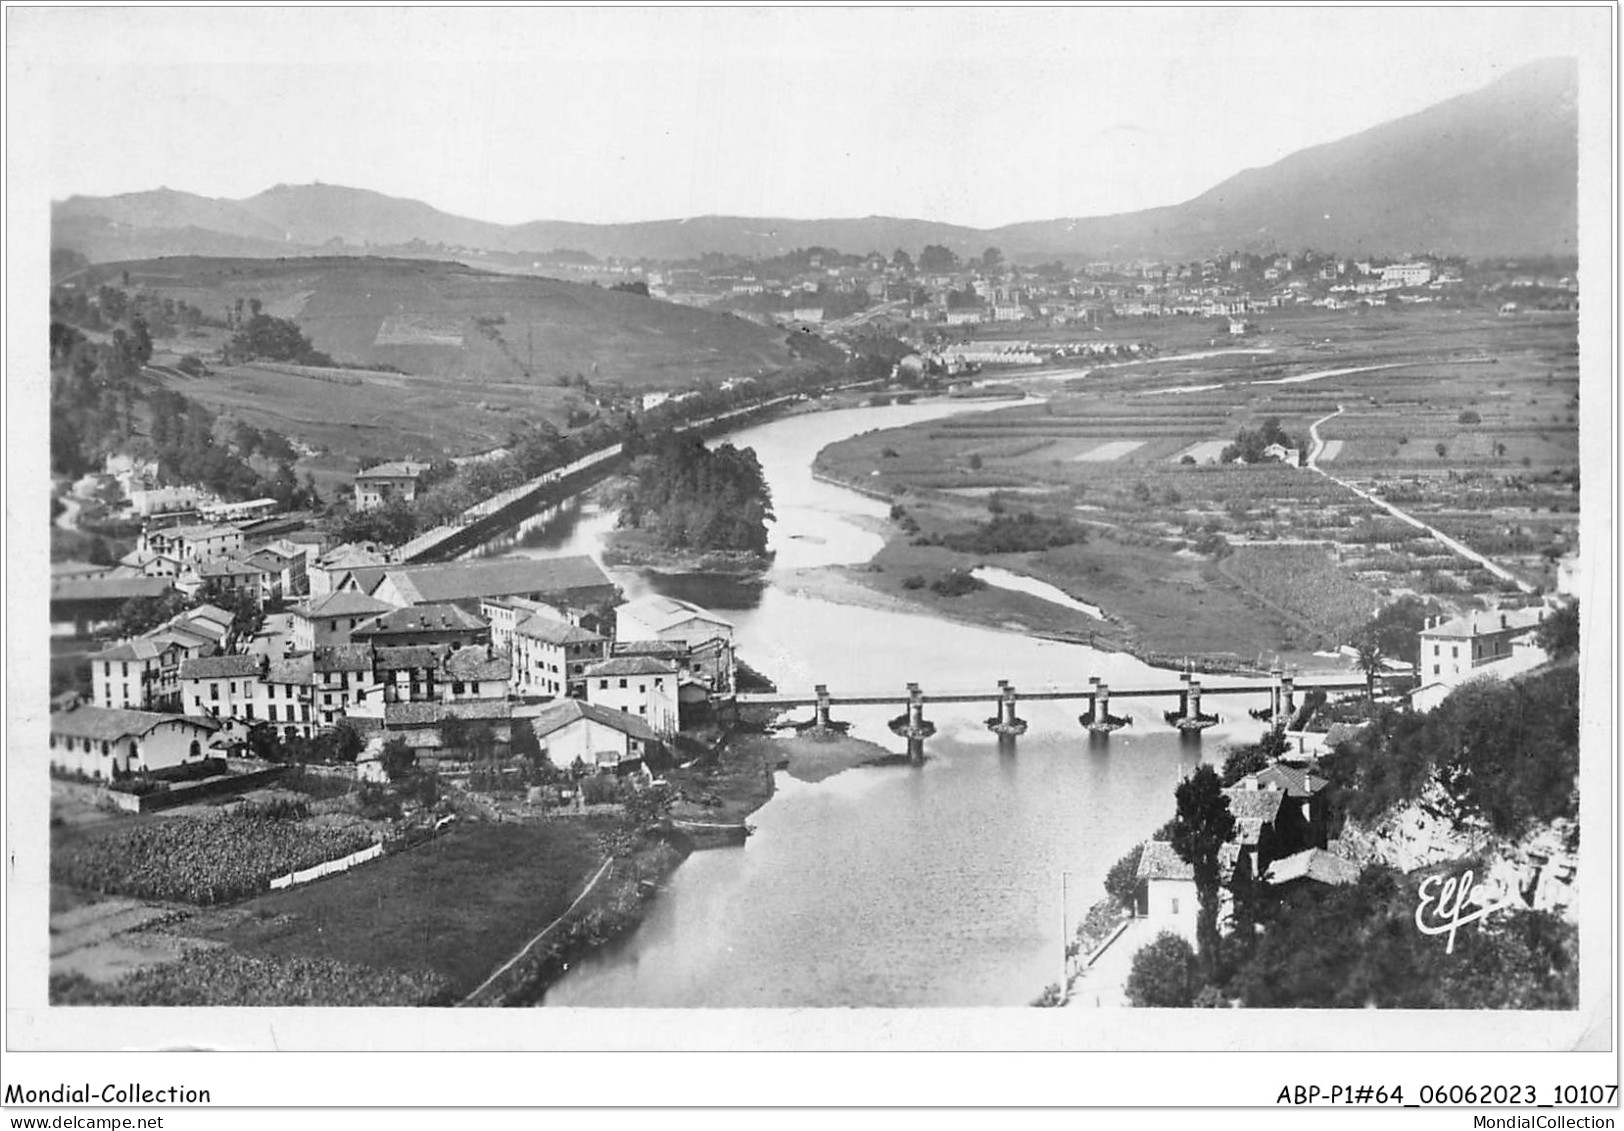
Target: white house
222, 687
551, 657
570, 730
106, 743
130, 676
1476, 644
665, 618
285, 696
375, 486
640, 686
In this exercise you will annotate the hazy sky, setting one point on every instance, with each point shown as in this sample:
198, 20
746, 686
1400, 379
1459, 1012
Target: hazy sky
972, 115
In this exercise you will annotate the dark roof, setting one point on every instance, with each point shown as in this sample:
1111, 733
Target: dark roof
292, 669
109, 588
631, 665
557, 716
141, 648
478, 662
670, 648
422, 618
344, 604
1255, 804
428, 714
417, 656
399, 470
220, 667
109, 724
463, 581
367, 577
344, 658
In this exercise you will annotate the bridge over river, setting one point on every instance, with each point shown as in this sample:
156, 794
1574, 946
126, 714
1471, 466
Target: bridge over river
1187, 717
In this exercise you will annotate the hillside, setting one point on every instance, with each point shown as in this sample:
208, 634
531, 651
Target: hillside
478, 353
1491, 172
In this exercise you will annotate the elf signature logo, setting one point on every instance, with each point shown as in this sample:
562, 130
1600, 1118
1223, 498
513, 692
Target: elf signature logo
1444, 902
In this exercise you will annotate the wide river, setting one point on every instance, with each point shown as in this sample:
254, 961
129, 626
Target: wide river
932, 885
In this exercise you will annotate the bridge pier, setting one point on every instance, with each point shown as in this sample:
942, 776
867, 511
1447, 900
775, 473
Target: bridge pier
912, 724
1288, 701
1099, 719
821, 723
1188, 718
1005, 723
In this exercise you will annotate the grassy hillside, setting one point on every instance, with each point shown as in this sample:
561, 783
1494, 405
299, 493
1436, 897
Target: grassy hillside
476, 353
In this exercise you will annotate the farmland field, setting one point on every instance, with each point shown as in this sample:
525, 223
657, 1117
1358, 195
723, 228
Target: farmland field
1466, 420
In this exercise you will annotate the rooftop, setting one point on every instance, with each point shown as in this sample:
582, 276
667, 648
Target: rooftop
557, 716
108, 588
1482, 622
401, 469
1313, 864
1295, 780
551, 631
220, 667
422, 618
292, 669
407, 657
631, 665
109, 724
344, 658
478, 662
660, 612
342, 604
462, 581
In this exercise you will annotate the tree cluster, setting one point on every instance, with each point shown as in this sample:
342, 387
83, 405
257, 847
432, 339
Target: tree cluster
1250, 443
693, 498
267, 338
1017, 534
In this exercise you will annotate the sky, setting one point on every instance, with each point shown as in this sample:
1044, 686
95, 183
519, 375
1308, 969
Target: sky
976, 116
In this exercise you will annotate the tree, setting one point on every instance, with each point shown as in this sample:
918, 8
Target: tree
1370, 660
1558, 633
992, 260
1202, 827
1243, 760
1122, 881
936, 259
399, 760
1165, 974
650, 806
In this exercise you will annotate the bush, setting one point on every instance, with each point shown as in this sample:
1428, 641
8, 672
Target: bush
913, 581
1165, 974
1469, 417
956, 583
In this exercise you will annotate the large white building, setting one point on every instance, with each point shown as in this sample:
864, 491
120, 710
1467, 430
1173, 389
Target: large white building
1496, 643
376, 486
640, 686
106, 743
571, 731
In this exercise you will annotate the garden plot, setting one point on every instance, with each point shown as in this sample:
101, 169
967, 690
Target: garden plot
1113, 450
1207, 451
1332, 449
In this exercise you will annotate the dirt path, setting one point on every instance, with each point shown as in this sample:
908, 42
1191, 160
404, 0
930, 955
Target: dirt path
1454, 546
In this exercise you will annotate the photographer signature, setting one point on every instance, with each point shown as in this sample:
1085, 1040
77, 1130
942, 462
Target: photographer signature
1448, 912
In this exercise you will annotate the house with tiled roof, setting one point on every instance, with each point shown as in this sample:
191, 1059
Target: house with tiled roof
343, 677
640, 686
423, 624
230, 576
319, 622
550, 656
574, 582
1312, 865
1475, 645
1167, 894
329, 570
106, 743
476, 671
221, 687
377, 486
570, 732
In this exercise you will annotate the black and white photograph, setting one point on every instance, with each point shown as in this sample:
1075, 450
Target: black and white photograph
788, 528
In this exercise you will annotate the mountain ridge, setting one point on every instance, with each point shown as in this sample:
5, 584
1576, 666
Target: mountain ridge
1490, 172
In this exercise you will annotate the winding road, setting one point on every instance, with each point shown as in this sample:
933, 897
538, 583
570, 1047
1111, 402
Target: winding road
1403, 516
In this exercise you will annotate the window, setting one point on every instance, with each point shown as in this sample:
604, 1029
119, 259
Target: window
1454, 652
214, 691
456, 687
1175, 906
107, 669
603, 685
250, 710
270, 712
1434, 669
1437, 650
126, 667
233, 687
622, 683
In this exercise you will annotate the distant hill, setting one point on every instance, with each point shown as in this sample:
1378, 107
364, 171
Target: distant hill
446, 320
1491, 172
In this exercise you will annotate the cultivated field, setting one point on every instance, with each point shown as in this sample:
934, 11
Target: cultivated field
1464, 419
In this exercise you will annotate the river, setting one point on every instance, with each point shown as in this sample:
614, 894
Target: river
936, 885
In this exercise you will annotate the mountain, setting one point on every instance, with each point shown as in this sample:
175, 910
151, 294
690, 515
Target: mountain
1491, 172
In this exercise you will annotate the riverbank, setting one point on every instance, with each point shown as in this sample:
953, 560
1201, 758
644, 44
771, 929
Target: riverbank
637, 549
1162, 607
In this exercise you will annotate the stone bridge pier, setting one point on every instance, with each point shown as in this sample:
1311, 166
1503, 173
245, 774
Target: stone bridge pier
913, 725
1005, 723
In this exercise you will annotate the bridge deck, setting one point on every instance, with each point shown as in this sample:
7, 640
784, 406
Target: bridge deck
807, 699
